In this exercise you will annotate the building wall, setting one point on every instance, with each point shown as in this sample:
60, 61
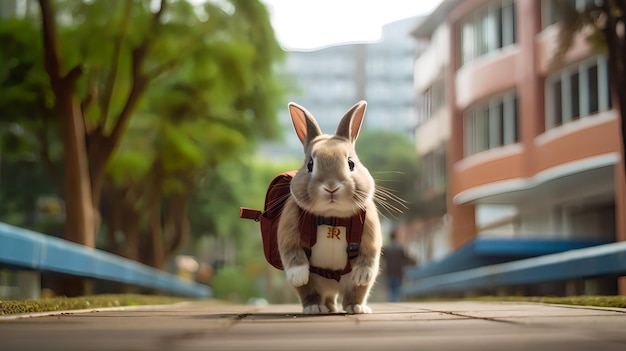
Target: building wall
558, 178
431, 240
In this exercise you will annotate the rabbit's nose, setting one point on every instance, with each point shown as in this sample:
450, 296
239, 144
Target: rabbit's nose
331, 191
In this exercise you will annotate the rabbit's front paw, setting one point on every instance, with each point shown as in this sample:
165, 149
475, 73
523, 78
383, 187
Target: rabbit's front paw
298, 275
362, 276
358, 309
315, 309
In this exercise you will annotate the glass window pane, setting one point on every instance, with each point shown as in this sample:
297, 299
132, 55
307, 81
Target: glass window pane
484, 140
557, 103
513, 25
497, 112
604, 85
483, 36
592, 84
468, 132
516, 131
556, 13
468, 41
500, 31
575, 96
508, 24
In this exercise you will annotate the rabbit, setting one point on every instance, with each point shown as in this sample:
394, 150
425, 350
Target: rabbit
331, 183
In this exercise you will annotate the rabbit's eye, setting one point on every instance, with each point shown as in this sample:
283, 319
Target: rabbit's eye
350, 164
309, 165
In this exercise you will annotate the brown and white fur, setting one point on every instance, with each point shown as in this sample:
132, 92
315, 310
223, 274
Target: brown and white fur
331, 183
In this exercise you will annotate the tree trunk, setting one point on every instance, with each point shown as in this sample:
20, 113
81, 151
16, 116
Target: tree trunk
122, 216
156, 229
178, 205
79, 220
131, 232
79, 225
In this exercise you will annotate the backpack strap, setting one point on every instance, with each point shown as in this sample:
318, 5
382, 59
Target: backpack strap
275, 198
249, 213
354, 231
308, 231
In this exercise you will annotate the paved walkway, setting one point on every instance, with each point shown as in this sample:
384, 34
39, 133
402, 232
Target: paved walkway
404, 326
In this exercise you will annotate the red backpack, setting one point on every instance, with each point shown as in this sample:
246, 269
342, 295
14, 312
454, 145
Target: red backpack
275, 199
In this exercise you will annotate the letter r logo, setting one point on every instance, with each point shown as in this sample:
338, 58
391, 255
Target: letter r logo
333, 232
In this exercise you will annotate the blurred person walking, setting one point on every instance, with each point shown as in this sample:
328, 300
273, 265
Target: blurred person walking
395, 260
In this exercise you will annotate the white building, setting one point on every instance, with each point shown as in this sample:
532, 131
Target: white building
330, 80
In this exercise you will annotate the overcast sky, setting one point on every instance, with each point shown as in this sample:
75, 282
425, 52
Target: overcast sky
311, 24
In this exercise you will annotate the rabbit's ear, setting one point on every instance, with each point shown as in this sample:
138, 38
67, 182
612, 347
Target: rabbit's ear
350, 124
305, 125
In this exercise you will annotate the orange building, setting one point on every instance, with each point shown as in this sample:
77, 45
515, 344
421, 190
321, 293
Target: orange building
530, 144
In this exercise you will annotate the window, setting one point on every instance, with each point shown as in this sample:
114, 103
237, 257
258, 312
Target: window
552, 10
430, 101
577, 91
487, 29
375, 66
491, 124
434, 171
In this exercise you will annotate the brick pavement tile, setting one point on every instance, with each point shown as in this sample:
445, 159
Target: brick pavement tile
334, 335
406, 326
537, 312
610, 324
382, 316
456, 306
420, 335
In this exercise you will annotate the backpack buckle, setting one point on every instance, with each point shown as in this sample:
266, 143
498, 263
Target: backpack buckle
353, 250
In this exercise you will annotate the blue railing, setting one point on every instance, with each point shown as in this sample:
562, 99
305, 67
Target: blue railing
22, 249
607, 260
488, 251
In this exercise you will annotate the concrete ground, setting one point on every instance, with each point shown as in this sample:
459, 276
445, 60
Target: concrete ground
403, 326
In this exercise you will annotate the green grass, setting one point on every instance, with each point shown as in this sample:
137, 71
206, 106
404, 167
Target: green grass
8, 307
587, 300
600, 301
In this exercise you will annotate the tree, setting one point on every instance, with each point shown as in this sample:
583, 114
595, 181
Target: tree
79, 223
29, 146
122, 49
168, 70
206, 112
140, 51
395, 169
239, 181
153, 177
